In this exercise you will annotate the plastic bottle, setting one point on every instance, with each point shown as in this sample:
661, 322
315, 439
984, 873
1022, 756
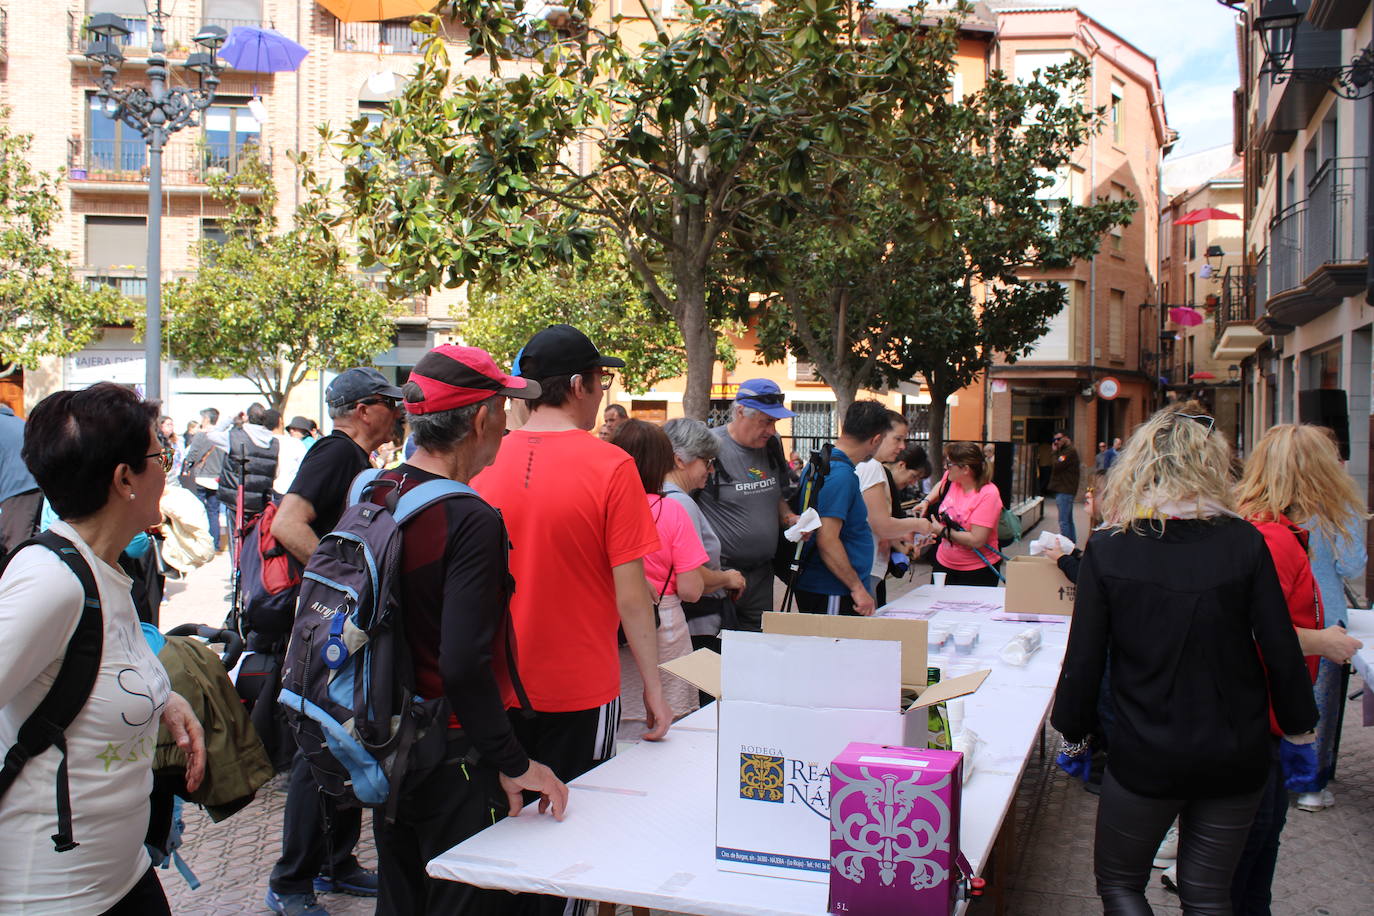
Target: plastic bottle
938, 737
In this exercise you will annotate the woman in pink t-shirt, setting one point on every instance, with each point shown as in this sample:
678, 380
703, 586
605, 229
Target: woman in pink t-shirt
976, 506
674, 574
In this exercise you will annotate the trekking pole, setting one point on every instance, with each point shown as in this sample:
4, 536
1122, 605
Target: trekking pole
978, 551
235, 540
813, 466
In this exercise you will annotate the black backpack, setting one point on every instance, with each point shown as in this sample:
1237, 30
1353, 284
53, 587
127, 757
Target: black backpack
46, 726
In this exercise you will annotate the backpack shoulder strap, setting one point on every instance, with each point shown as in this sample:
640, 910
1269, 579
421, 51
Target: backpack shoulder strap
355, 490
426, 494
70, 690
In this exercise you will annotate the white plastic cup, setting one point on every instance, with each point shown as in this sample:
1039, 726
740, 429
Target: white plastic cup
938, 579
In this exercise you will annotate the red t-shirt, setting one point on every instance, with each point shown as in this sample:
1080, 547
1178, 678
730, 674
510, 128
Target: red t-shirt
575, 508
978, 507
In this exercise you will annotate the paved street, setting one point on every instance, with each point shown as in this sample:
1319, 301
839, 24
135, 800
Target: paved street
1321, 870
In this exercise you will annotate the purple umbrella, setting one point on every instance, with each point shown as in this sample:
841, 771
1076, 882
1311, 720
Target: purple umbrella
258, 50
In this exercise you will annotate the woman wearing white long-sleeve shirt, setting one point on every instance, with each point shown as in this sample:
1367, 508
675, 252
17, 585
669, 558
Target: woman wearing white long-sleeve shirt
96, 456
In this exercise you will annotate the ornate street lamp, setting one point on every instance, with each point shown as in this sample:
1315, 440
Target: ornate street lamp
156, 112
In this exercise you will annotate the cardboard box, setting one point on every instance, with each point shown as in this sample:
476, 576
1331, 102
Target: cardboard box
894, 830
1036, 585
788, 705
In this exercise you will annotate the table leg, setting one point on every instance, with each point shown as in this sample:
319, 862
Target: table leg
1004, 860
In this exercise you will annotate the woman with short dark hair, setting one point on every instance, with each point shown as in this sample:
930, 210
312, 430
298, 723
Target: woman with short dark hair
96, 456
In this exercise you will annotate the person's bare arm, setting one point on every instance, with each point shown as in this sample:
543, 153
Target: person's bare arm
1332, 643
691, 584
837, 561
714, 580
637, 620
975, 538
292, 528
880, 519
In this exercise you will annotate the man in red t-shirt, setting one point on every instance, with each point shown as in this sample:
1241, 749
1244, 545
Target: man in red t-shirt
579, 529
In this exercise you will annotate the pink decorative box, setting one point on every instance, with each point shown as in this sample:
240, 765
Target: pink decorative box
894, 830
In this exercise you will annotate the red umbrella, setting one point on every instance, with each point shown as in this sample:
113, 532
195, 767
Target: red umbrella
1193, 217
1201, 376
1181, 314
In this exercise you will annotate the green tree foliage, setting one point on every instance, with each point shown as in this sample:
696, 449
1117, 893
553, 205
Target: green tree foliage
44, 309
271, 306
598, 296
470, 175
871, 292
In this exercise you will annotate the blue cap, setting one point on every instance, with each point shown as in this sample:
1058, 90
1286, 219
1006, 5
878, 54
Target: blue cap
763, 395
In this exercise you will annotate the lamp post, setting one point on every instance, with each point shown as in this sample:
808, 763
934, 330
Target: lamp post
156, 112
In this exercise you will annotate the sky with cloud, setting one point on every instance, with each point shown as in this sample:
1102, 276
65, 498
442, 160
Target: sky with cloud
1194, 44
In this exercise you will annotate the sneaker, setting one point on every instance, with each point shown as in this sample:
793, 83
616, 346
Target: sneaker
294, 904
1314, 801
1327, 798
1167, 852
1169, 878
360, 882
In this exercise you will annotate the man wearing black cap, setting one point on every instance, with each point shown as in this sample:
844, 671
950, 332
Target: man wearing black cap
580, 528
364, 406
745, 497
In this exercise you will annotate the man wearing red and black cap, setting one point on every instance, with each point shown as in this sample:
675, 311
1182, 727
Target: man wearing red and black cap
580, 529
455, 603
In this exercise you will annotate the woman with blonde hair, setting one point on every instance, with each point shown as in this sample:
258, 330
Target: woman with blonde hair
1293, 479
1178, 592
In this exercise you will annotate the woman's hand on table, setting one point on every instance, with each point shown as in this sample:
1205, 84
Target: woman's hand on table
538, 778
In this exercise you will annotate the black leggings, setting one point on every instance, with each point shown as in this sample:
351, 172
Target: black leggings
983, 575
1212, 833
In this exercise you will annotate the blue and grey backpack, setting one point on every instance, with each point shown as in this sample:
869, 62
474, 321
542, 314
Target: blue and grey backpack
347, 682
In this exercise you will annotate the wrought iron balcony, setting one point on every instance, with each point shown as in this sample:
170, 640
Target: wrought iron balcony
179, 36
393, 37
126, 161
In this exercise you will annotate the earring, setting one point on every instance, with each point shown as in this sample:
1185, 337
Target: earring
133, 495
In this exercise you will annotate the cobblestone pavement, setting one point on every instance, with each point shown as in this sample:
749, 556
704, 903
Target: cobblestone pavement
1322, 864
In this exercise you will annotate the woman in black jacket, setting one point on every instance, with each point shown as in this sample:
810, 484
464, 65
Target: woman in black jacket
1178, 591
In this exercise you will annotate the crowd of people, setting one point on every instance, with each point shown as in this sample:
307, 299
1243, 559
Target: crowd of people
540, 601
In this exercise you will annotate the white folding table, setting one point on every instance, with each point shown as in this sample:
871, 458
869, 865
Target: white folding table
640, 828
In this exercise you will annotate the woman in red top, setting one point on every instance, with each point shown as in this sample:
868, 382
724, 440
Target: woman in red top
1276, 491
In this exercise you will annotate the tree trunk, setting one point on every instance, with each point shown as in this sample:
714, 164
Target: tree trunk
935, 450
699, 339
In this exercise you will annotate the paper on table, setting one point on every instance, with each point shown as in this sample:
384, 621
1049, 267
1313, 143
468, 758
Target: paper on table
809, 520
966, 607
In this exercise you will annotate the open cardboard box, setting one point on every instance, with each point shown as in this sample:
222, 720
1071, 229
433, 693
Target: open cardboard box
789, 703
1036, 585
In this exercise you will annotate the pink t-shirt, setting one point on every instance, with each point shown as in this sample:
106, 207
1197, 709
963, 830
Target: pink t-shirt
680, 548
978, 507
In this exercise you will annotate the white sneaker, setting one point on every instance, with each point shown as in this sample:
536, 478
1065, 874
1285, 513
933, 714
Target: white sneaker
1328, 799
1168, 850
1310, 801
1170, 878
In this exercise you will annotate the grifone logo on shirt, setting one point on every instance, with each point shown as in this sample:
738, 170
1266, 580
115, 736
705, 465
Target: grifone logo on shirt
749, 486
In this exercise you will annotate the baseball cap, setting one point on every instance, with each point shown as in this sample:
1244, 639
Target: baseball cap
561, 349
357, 383
450, 376
764, 396
300, 423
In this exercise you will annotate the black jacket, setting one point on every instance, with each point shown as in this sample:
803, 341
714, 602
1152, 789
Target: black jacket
258, 466
1181, 616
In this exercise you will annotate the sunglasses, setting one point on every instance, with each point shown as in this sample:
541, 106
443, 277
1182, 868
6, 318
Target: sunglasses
604, 379
1201, 419
391, 403
164, 458
770, 398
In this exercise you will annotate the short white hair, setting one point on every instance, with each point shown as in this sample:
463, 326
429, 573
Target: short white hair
744, 412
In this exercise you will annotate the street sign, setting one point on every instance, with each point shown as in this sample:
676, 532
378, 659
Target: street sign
1108, 388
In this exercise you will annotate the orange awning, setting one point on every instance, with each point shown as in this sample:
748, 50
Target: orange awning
377, 10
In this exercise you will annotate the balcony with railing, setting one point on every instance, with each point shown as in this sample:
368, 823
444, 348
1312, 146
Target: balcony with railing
4, 35
391, 37
179, 32
1235, 335
1286, 105
93, 162
1318, 246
